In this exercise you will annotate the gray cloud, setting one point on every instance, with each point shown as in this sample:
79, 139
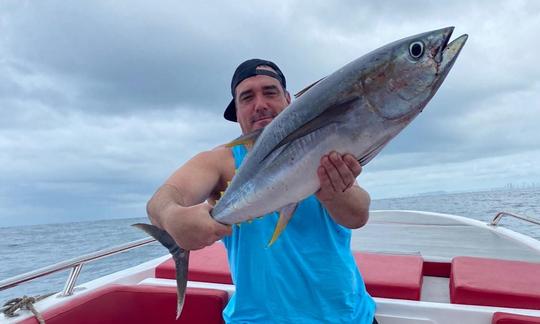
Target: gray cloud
101, 101
87, 166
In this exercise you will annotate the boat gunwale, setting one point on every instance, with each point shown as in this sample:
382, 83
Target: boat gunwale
516, 236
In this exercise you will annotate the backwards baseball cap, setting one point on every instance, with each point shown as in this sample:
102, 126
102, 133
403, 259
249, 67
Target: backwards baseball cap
246, 70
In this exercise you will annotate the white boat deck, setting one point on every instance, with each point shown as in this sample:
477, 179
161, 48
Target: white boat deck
439, 238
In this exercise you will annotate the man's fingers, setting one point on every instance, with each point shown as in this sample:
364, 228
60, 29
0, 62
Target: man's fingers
219, 229
328, 171
353, 164
344, 177
337, 172
323, 179
208, 207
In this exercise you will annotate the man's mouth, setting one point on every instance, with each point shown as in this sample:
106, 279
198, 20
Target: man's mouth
262, 119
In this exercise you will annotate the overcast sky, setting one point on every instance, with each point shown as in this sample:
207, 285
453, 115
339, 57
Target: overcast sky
101, 100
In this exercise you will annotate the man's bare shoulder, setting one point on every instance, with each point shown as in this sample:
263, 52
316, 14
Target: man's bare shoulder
219, 158
216, 165
217, 154
222, 149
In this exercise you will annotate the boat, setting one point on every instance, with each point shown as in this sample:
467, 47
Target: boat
420, 267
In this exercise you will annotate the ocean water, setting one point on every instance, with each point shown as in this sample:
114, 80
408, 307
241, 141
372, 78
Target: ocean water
27, 248
482, 205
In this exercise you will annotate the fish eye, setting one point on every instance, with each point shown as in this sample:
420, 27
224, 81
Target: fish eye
416, 49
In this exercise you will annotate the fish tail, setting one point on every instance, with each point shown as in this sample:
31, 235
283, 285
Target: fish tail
180, 257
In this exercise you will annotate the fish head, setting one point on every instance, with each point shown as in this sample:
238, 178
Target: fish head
407, 73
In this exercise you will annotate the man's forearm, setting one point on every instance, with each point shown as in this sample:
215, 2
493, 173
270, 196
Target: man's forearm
164, 197
351, 208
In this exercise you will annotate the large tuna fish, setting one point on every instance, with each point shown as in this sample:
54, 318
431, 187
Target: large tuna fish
358, 109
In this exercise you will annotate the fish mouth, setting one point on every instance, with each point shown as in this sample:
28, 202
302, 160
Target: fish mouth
438, 51
449, 51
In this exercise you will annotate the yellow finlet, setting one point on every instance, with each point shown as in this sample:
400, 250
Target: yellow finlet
242, 141
246, 139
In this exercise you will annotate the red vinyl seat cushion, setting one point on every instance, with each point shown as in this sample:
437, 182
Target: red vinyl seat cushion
138, 304
492, 282
508, 318
208, 265
385, 275
390, 275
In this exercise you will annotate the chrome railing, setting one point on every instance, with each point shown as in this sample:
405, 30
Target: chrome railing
75, 264
501, 214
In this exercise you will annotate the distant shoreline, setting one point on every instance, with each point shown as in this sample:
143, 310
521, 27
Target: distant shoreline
459, 192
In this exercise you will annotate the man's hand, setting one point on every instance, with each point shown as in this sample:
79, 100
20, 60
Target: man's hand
192, 227
347, 203
337, 174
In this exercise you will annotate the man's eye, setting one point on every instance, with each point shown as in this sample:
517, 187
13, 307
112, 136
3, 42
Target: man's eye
246, 98
271, 93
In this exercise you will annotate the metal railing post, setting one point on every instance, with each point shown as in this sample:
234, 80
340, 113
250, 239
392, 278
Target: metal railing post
72, 280
500, 215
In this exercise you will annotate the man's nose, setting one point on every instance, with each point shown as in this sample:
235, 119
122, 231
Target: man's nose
260, 103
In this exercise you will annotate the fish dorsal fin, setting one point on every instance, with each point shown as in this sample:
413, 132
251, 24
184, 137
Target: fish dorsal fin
301, 92
246, 139
285, 215
327, 117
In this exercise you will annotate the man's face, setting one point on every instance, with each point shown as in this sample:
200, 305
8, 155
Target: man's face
258, 100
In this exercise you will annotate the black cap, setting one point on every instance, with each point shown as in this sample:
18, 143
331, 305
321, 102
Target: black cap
247, 70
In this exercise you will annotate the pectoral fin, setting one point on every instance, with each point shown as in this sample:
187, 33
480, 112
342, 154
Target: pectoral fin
330, 115
363, 160
285, 215
180, 257
246, 139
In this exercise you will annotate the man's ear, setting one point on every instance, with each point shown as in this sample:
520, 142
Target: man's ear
288, 96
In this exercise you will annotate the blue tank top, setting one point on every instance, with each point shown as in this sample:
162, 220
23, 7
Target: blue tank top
308, 275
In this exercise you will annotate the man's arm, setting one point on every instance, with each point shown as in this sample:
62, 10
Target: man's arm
347, 203
179, 208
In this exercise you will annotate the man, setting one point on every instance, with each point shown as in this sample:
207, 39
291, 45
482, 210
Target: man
309, 274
